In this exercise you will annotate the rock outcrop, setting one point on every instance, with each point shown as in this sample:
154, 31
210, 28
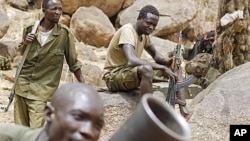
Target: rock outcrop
174, 15
221, 104
91, 26
4, 23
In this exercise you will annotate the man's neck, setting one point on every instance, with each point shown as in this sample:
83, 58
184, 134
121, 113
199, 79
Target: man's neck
137, 29
46, 26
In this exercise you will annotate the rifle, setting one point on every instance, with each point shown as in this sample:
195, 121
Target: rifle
12, 93
175, 67
175, 94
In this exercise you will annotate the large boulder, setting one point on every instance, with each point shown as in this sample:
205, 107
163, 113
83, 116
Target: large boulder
8, 49
93, 75
19, 4
4, 23
65, 19
91, 26
109, 7
18, 20
85, 53
222, 103
206, 17
174, 15
165, 47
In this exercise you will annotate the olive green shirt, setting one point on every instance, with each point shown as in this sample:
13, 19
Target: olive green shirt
41, 71
11, 132
125, 35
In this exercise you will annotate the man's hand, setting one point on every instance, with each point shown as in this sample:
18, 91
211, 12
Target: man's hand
169, 73
29, 39
79, 76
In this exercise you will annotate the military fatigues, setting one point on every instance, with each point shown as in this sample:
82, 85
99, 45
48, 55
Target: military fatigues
41, 72
201, 66
118, 76
18, 133
5, 63
210, 77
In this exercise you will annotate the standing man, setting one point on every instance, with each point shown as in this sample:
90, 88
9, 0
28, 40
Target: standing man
41, 71
124, 69
76, 113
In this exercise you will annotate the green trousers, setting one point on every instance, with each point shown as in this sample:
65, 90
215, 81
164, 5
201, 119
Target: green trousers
126, 78
29, 112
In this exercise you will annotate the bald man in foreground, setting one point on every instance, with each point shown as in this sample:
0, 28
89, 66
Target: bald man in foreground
75, 114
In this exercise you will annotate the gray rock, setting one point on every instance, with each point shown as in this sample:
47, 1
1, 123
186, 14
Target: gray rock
222, 103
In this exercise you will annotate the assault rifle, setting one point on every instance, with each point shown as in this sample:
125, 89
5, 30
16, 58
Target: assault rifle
175, 94
175, 66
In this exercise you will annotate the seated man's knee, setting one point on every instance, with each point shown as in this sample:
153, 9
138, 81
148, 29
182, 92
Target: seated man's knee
145, 70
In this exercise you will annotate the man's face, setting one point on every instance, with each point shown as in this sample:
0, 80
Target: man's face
147, 25
53, 11
79, 120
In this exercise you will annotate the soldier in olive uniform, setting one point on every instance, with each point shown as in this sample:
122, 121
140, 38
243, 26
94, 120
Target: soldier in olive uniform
41, 71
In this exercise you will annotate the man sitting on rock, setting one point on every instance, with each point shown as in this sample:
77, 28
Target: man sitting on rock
75, 114
124, 69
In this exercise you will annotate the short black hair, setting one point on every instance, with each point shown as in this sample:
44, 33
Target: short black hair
148, 9
45, 3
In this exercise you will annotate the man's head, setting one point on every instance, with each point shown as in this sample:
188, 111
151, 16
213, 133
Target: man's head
75, 114
52, 10
147, 19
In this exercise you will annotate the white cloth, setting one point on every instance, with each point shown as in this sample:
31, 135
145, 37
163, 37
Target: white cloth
44, 36
228, 18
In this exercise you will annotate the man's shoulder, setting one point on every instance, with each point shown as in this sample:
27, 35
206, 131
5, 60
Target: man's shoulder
63, 26
127, 30
9, 132
128, 25
11, 127
5, 138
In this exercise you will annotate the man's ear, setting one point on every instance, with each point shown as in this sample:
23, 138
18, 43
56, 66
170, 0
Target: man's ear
49, 112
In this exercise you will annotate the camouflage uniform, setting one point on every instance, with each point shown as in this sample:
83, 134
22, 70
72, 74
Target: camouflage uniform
5, 63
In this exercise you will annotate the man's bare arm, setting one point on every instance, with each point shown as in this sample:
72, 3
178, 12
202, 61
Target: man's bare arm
133, 60
158, 57
78, 75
